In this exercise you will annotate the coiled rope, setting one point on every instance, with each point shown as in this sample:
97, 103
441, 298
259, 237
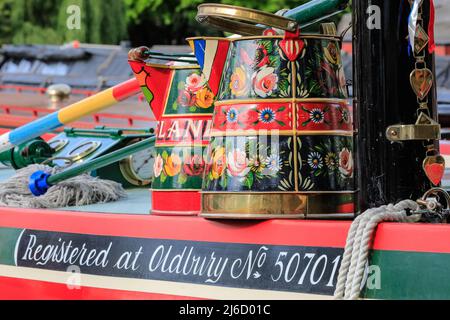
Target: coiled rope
360, 236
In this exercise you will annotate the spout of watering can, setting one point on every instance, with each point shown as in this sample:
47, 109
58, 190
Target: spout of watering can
154, 78
315, 9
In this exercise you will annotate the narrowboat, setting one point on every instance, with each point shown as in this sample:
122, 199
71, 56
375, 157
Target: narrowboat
263, 157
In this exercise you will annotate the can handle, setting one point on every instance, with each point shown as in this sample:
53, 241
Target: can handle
242, 20
345, 31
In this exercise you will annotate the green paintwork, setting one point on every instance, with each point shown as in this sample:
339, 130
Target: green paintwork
31, 152
147, 94
316, 9
411, 275
8, 240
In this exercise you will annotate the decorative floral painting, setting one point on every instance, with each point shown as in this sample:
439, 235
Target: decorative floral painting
189, 94
320, 73
259, 69
255, 69
327, 163
266, 163
241, 163
267, 116
178, 168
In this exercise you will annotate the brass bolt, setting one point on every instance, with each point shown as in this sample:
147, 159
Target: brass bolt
292, 25
59, 92
393, 133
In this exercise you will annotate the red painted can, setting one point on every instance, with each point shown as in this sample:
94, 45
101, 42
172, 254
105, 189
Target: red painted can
183, 104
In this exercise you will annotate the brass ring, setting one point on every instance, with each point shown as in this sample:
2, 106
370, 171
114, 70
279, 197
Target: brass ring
58, 144
242, 20
69, 162
93, 146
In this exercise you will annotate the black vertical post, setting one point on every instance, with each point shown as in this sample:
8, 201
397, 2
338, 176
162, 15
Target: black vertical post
388, 172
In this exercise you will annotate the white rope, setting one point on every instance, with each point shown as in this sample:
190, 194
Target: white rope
357, 248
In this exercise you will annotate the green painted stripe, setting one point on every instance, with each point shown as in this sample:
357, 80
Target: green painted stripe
8, 240
411, 275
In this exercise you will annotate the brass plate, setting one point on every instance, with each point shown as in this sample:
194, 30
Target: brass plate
425, 128
275, 205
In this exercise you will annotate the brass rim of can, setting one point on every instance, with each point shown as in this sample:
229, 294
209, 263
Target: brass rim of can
288, 205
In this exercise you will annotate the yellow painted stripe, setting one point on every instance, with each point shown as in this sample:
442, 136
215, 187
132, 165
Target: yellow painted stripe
156, 286
191, 44
87, 106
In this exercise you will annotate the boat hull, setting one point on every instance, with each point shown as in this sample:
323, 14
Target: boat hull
156, 257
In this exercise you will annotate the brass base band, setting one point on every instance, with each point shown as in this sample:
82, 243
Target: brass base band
278, 205
173, 213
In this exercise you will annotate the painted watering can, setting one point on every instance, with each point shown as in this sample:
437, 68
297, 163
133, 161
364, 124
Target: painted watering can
182, 103
282, 136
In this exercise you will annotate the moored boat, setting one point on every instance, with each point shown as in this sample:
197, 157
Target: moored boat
120, 250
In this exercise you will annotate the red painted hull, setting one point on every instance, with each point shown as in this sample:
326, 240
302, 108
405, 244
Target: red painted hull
23, 282
309, 234
21, 289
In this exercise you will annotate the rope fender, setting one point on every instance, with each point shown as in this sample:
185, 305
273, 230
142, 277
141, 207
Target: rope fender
355, 258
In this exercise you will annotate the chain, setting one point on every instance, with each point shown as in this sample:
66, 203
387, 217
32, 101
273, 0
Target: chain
420, 64
422, 80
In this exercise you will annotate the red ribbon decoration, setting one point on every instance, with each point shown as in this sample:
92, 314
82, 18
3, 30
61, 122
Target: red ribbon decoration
291, 45
431, 43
